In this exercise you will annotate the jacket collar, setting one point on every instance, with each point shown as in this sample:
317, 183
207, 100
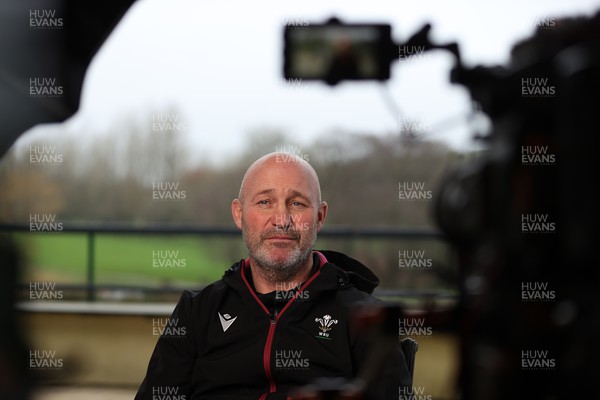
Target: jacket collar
336, 271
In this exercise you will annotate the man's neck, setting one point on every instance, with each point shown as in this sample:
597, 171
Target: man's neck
264, 284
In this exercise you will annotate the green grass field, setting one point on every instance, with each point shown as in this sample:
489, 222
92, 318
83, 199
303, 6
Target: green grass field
193, 261
128, 259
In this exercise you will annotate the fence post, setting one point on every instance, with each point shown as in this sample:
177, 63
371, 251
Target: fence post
91, 290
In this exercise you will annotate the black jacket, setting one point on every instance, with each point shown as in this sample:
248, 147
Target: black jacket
223, 342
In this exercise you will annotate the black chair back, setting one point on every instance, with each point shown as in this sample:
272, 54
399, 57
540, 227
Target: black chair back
409, 348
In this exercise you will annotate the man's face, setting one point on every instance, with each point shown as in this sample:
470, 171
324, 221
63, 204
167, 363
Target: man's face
280, 216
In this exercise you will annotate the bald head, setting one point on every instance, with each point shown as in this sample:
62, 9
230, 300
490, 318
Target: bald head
283, 164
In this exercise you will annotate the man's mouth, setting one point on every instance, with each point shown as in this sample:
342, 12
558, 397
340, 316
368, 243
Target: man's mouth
281, 238
278, 236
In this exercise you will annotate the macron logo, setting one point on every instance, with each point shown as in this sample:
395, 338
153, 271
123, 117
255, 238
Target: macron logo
226, 321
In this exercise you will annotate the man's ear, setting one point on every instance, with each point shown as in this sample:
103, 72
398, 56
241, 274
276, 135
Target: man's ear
236, 212
321, 215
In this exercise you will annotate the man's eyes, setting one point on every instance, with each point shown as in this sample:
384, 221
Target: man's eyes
295, 203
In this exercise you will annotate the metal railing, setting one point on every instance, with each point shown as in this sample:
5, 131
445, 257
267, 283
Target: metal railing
91, 232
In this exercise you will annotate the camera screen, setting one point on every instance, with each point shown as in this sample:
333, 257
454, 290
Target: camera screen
335, 52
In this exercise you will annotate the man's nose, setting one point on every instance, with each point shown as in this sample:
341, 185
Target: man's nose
281, 218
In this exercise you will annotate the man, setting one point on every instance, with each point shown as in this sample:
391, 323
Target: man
279, 319
344, 63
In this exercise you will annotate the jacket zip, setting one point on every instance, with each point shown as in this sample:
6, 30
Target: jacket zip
273, 325
267, 355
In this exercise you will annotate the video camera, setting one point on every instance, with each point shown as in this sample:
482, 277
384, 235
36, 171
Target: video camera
333, 51
522, 216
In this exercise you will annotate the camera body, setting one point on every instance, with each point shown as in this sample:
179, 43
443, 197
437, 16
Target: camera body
522, 220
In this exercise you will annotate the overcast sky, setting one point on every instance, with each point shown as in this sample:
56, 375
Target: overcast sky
219, 65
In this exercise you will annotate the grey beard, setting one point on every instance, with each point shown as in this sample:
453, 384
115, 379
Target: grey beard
277, 272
